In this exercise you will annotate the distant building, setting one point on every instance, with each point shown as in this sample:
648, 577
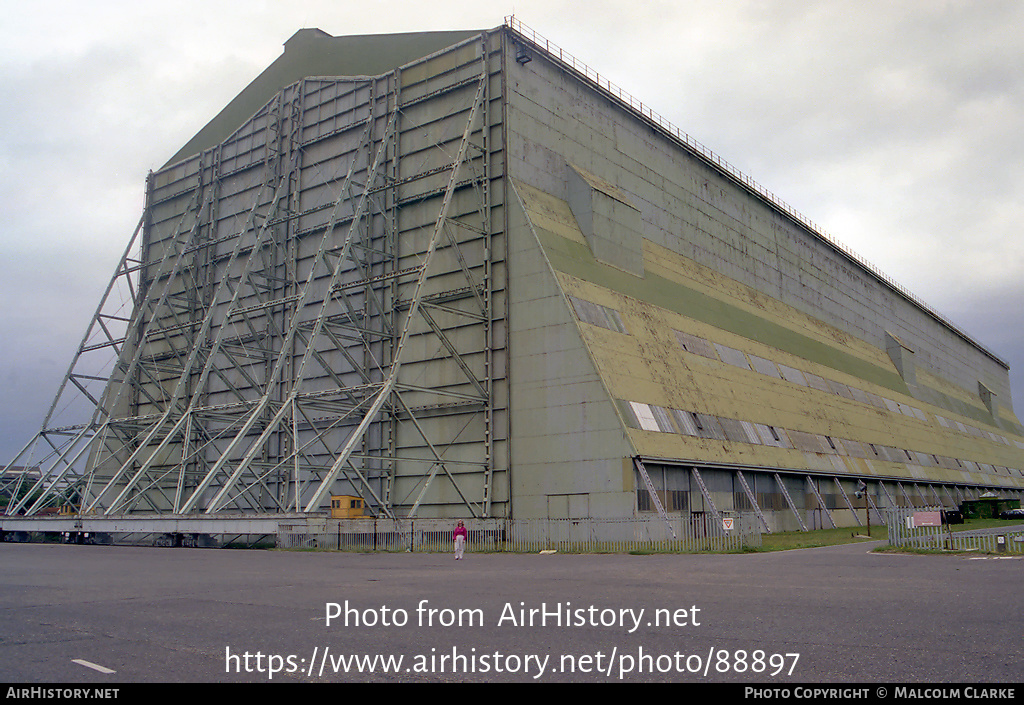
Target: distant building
459, 274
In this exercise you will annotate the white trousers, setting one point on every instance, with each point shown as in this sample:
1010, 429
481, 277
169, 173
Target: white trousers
460, 546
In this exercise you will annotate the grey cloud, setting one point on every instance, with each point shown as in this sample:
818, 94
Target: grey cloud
899, 127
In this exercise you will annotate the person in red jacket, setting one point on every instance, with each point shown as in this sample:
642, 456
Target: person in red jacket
460, 540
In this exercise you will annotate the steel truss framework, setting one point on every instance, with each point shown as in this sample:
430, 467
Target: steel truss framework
312, 313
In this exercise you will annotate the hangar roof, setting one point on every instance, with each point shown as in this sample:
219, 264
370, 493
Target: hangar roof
313, 52
704, 368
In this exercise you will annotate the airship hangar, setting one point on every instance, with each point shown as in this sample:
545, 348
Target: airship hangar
460, 274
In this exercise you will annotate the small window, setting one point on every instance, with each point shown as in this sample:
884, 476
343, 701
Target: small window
695, 345
765, 366
677, 500
685, 423
643, 501
598, 315
732, 356
793, 375
662, 418
644, 416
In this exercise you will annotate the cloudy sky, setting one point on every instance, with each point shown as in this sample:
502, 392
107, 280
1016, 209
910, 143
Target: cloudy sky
896, 126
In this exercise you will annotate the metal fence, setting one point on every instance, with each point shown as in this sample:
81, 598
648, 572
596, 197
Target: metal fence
905, 532
683, 533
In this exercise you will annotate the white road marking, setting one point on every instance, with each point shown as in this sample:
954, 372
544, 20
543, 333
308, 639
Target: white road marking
89, 664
